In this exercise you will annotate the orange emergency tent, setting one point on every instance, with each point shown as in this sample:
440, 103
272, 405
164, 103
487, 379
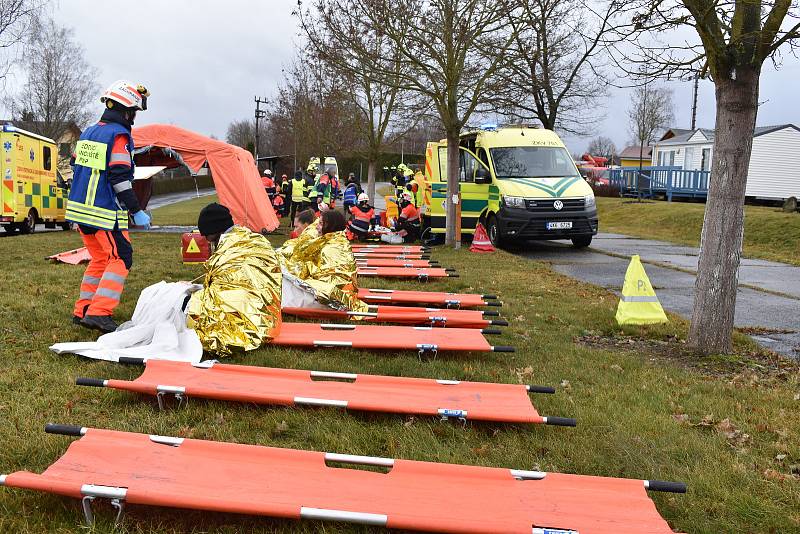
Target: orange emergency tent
234, 170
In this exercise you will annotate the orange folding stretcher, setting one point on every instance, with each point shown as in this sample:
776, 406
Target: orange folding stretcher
406, 315
481, 401
406, 272
433, 298
391, 256
142, 469
428, 341
382, 262
395, 249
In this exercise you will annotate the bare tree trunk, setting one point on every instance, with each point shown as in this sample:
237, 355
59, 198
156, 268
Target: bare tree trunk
452, 237
723, 224
371, 181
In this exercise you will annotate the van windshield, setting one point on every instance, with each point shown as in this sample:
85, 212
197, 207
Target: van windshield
532, 162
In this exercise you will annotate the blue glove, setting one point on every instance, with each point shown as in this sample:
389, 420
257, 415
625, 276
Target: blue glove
141, 219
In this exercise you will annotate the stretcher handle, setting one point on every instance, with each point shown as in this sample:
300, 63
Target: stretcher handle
452, 275
498, 322
127, 360
541, 389
490, 313
93, 382
560, 421
491, 331
502, 348
663, 485
493, 303
66, 430
489, 297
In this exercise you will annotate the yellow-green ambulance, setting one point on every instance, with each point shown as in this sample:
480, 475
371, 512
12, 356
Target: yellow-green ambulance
518, 181
32, 190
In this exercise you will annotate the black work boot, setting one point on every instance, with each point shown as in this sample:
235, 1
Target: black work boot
104, 323
78, 320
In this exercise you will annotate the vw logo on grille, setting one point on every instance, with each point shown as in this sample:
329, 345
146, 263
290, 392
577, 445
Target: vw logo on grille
558, 205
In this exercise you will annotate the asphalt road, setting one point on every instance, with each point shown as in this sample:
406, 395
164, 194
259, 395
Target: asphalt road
155, 202
755, 307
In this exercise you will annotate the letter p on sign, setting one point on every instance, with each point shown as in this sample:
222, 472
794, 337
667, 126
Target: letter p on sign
640, 285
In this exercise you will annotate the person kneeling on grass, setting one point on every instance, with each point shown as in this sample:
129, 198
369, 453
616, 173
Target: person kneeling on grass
240, 303
408, 223
361, 219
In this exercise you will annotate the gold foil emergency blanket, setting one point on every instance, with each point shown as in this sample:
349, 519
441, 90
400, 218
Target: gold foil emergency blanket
327, 265
310, 232
240, 303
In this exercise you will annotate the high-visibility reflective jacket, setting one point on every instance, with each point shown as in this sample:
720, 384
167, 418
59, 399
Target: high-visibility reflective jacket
298, 190
92, 200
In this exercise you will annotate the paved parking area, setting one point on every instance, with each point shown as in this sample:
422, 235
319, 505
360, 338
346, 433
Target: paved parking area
755, 307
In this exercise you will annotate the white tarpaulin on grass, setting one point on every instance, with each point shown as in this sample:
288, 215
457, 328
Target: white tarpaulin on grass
156, 331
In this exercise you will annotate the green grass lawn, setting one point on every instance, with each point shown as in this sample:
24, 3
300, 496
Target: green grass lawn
728, 427
181, 213
769, 233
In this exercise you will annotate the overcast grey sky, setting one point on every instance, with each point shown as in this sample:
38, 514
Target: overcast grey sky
205, 61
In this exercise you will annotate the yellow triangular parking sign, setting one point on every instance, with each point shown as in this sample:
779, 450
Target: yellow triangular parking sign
192, 247
639, 303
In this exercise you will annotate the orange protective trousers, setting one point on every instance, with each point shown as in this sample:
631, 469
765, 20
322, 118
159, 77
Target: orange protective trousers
104, 279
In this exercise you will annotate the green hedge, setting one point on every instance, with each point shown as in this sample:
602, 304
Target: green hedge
176, 185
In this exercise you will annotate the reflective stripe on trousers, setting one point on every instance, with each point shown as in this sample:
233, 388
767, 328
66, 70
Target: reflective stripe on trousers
104, 280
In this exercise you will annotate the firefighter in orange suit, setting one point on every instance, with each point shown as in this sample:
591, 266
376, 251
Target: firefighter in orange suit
100, 200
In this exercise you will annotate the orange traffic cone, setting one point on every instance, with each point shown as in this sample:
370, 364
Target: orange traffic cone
480, 241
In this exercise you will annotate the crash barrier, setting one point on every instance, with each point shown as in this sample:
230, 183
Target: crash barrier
448, 399
407, 272
382, 262
141, 469
406, 315
433, 298
426, 340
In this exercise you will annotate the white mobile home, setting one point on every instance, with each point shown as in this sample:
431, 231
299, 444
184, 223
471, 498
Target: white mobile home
772, 173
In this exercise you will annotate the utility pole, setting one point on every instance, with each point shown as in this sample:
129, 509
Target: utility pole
694, 99
260, 114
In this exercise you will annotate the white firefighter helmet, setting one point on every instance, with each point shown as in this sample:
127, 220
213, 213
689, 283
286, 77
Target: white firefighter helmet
268, 172
126, 93
363, 197
407, 197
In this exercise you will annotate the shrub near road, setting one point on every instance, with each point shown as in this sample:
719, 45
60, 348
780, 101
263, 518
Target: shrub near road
769, 233
729, 427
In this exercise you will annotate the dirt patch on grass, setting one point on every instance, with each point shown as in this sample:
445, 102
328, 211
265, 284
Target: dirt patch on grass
749, 365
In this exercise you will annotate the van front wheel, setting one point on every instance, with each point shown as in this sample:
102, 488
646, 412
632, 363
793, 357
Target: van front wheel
582, 241
494, 231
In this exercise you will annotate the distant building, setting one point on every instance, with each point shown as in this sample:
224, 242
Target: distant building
770, 174
633, 156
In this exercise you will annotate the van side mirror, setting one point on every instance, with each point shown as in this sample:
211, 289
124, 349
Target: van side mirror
483, 176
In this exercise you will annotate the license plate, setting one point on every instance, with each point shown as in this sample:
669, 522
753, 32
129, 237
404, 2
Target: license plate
564, 225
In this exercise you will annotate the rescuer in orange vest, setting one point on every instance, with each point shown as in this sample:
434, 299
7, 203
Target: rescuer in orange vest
360, 219
408, 223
